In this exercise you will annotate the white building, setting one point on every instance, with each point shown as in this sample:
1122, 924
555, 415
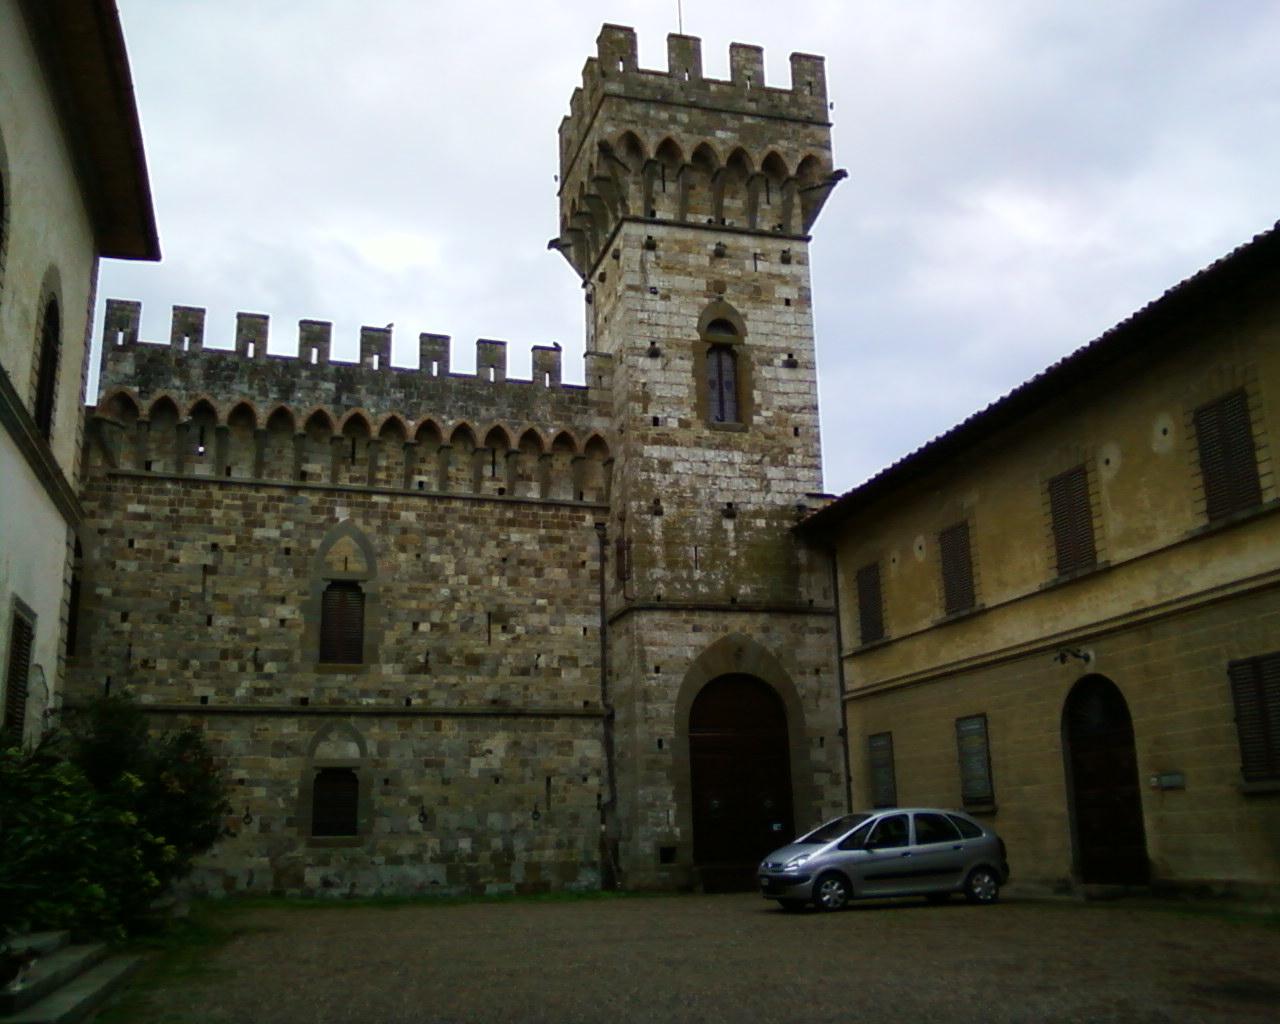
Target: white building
73, 188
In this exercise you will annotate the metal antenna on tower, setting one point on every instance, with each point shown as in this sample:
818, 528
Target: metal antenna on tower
680, 16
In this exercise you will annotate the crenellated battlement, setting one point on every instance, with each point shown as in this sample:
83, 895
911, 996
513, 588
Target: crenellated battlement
121, 326
615, 71
674, 146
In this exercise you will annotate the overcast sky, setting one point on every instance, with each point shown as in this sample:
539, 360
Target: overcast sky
1022, 175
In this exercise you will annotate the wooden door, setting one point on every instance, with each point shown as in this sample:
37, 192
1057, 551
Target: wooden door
740, 767
1106, 801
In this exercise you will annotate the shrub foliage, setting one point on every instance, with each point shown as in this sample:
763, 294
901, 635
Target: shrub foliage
101, 818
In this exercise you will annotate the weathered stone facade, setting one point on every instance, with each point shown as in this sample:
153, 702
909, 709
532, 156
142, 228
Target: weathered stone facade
551, 575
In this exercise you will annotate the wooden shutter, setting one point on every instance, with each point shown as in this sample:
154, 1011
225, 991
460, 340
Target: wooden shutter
21, 639
884, 785
1255, 690
957, 568
1228, 460
722, 384
1072, 516
870, 608
342, 624
335, 803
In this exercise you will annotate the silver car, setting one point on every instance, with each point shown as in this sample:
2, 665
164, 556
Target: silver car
903, 851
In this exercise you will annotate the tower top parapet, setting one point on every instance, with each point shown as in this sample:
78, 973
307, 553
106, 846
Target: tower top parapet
615, 71
676, 147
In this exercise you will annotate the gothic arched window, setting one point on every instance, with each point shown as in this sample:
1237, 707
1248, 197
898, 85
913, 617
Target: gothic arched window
342, 623
47, 372
722, 384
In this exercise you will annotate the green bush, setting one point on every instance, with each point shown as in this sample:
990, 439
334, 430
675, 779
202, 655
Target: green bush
101, 819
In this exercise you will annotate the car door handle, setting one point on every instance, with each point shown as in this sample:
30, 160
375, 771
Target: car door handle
907, 854
958, 846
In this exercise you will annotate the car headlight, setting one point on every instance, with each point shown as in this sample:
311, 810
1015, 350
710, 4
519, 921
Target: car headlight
795, 862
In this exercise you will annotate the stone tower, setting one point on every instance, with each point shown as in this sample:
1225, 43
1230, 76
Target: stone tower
685, 207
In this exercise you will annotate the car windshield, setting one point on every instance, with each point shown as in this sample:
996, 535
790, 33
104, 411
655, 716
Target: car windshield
832, 830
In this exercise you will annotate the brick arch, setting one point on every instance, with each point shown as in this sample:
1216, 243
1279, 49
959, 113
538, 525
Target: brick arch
287, 410
569, 445
721, 310
310, 414
390, 418
734, 654
596, 445
161, 397
204, 398
500, 430
465, 431
115, 394
534, 434
356, 414
245, 403
424, 429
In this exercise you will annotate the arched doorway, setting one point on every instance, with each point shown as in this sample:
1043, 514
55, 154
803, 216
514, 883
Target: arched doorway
1102, 779
740, 769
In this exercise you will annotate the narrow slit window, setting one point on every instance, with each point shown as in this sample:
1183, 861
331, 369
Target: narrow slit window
722, 384
974, 751
47, 372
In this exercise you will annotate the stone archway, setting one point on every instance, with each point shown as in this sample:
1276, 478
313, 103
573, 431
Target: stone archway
740, 779
720, 670
1102, 785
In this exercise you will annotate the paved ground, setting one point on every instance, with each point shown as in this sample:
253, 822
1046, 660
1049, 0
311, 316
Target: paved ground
733, 958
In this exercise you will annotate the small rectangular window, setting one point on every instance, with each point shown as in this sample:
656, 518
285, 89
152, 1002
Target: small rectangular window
870, 606
884, 786
1255, 691
21, 639
342, 624
1072, 516
335, 802
957, 568
1228, 457
976, 789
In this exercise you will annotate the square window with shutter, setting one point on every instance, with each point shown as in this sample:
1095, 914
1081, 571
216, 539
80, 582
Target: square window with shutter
870, 606
1255, 691
22, 636
957, 568
1228, 458
342, 624
335, 803
1071, 513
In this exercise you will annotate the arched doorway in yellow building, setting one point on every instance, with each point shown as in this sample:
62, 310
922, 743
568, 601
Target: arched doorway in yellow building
740, 778
1102, 785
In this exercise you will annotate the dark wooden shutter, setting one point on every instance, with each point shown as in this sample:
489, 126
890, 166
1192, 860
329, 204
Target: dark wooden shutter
47, 374
342, 624
21, 639
1255, 690
1228, 459
1072, 516
722, 384
870, 608
884, 785
335, 803
957, 568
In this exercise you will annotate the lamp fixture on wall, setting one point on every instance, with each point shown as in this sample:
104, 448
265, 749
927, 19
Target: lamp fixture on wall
1072, 652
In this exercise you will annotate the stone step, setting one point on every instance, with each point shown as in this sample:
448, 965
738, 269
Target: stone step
40, 943
48, 973
80, 996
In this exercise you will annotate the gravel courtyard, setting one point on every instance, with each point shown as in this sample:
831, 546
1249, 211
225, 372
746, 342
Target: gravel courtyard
730, 958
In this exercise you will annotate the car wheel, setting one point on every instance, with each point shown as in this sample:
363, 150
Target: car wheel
792, 906
831, 892
982, 886
938, 897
